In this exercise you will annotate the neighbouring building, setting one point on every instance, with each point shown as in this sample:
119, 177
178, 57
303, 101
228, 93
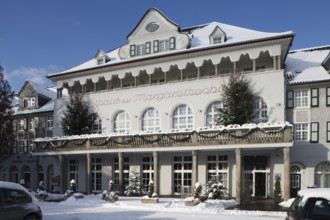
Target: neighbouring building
33, 118
157, 98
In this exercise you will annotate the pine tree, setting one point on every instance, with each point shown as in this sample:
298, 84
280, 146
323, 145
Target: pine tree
237, 101
6, 112
77, 120
277, 188
134, 186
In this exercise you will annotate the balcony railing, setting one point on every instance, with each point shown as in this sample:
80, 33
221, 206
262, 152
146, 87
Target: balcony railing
221, 136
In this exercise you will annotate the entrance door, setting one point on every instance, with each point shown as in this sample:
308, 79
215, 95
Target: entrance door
295, 184
260, 184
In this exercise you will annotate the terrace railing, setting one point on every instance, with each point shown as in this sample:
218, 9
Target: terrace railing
222, 136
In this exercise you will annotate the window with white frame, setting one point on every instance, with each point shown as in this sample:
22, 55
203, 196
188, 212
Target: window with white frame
22, 124
151, 120
100, 61
212, 113
164, 45
29, 102
73, 171
217, 168
301, 98
97, 124
183, 117
216, 40
328, 131
50, 121
182, 177
259, 111
140, 49
301, 132
96, 174
125, 173
122, 122
322, 175
147, 172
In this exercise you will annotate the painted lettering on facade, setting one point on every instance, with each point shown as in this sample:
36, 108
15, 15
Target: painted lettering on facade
144, 97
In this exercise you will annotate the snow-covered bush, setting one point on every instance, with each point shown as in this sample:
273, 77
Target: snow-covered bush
72, 191
215, 188
151, 191
277, 188
110, 195
134, 186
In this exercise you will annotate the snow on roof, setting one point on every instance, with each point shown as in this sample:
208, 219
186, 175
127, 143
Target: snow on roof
48, 92
199, 39
315, 192
234, 34
46, 108
305, 65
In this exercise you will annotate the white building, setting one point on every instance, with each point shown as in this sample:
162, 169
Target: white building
156, 99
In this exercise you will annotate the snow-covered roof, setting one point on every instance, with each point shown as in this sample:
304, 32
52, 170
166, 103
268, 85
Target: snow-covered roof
305, 65
199, 37
46, 108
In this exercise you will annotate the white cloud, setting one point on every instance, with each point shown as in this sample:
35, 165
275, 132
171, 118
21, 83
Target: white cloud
18, 76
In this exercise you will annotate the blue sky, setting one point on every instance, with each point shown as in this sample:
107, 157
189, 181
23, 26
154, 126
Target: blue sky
39, 37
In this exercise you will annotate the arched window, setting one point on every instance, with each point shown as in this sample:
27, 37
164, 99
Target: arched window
40, 173
122, 122
13, 174
51, 179
259, 111
97, 125
212, 114
3, 174
322, 174
151, 120
183, 117
26, 176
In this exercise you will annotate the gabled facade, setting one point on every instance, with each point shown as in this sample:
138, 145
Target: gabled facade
157, 99
33, 118
308, 103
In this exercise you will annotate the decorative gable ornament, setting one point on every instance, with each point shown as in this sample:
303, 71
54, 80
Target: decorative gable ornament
154, 33
152, 26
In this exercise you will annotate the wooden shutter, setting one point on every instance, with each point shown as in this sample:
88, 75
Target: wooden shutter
315, 97
314, 132
289, 99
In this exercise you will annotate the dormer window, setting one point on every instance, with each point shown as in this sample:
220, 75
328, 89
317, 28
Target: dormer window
100, 61
101, 57
218, 36
29, 102
216, 40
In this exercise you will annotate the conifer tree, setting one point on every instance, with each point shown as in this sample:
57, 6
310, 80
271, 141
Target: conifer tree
6, 111
237, 98
77, 119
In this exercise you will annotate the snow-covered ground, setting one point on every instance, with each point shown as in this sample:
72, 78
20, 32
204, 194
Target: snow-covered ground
92, 207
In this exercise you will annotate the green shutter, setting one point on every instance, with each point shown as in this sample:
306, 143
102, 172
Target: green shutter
172, 43
148, 48
328, 131
289, 99
314, 132
328, 96
156, 46
132, 50
315, 97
